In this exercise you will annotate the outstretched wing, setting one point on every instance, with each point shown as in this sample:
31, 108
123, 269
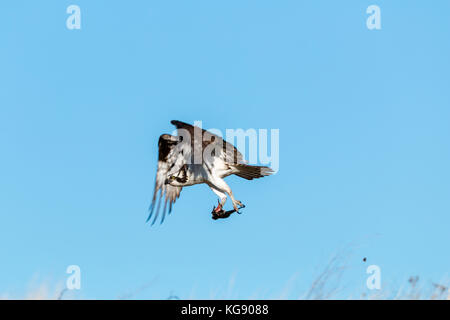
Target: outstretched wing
168, 156
226, 151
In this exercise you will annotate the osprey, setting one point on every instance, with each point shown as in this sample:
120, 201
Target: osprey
197, 156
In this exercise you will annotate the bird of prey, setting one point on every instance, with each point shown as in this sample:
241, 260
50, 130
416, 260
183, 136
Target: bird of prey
198, 156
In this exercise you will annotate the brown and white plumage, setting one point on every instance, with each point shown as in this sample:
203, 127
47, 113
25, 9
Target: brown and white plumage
197, 156
166, 157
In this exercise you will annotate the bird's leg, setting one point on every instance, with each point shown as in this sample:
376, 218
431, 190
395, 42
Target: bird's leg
236, 203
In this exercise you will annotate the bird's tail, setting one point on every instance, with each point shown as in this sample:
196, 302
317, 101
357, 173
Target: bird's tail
251, 172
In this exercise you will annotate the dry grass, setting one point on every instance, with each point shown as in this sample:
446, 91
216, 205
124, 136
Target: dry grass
326, 285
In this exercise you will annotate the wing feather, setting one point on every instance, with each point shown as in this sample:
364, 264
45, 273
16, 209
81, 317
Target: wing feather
228, 152
168, 155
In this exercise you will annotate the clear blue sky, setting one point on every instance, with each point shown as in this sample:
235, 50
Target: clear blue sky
364, 142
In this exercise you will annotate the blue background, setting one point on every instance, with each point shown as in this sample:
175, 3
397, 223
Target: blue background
364, 143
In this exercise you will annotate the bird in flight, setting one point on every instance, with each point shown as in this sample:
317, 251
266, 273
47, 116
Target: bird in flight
198, 156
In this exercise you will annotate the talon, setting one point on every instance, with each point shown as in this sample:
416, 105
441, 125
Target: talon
239, 205
218, 208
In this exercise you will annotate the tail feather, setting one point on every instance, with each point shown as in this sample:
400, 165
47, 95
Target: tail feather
251, 172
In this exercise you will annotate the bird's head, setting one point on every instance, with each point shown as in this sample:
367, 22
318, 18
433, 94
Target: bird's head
175, 181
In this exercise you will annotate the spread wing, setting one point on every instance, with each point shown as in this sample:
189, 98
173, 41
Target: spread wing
206, 141
168, 156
